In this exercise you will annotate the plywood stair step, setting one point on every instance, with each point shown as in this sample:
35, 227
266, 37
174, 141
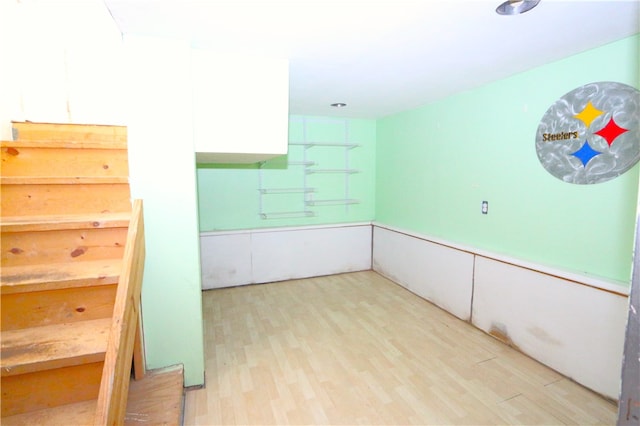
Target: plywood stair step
35, 295
155, 400
29, 240
64, 196
47, 154
80, 413
63, 143
69, 221
52, 347
52, 365
56, 276
62, 180
74, 133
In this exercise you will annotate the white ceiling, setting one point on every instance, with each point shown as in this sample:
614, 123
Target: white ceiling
382, 57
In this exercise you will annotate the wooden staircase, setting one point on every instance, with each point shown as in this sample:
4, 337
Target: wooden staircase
72, 264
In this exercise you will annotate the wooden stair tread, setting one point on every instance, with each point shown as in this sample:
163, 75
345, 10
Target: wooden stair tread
54, 346
79, 413
63, 144
27, 278
69, 221
55, 180
105, 135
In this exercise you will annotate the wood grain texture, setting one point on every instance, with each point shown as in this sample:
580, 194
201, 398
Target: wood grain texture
66, 207
79, 413
50, 388
139, 366
155, 400
112, 399
68, 305
74, 245
71, 134
56, 276
69, 221
65, 198
358, 349
61, 345
63, 162
62, 180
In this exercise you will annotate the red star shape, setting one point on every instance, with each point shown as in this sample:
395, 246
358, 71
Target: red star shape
611, 131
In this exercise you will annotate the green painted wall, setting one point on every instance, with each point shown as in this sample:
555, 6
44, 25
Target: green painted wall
229, 196
162, 173
436, 164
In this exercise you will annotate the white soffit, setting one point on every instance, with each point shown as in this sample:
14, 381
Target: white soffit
382, 57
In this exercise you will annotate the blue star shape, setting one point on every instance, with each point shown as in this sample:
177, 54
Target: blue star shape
586, 153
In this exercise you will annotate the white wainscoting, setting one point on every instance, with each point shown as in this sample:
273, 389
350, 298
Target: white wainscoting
440, 274
264, 255
575, 329
572, 323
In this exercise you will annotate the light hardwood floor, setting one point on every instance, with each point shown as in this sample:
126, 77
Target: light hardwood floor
358, 349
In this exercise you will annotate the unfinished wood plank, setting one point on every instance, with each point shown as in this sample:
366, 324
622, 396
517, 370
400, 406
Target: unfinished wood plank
50, 388
74, 245
62, 144
139, 365
56, 276
60, 199
79, 413
117, 365
63, 162
78, 133
41, 308
69, 221
62, 345
64, 180
155, 400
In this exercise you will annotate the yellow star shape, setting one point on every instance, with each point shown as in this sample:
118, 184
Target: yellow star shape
588, 114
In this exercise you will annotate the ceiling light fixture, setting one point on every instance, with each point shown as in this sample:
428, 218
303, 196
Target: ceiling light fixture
516, 7
339, 105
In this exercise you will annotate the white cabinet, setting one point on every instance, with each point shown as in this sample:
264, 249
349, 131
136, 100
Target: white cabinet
241, 107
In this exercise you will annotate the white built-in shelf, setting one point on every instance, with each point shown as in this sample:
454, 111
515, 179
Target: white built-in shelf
312, 144
339, 202
347, 171
301, 163
286, 215
287, 190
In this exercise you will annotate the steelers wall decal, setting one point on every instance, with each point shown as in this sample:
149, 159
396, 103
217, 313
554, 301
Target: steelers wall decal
591, 134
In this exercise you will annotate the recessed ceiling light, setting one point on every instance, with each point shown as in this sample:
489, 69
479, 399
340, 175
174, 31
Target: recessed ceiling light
516, 7
339, 105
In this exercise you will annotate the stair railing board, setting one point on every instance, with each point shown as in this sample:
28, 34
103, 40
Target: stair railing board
139, 366
114, 385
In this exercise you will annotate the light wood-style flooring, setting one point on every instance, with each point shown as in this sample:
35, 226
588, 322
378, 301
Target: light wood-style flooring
358, 349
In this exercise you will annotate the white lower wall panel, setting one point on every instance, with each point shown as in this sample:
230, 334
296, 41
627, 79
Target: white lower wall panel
435, 272
310, 252
259, 256
575, 329
225, 260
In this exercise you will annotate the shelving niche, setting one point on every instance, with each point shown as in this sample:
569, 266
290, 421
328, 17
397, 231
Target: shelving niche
321, 170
